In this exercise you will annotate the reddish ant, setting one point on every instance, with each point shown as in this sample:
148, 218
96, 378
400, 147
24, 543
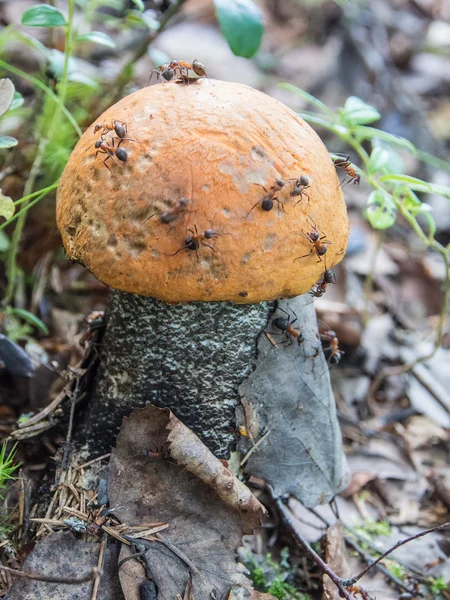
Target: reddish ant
119, 127
104, 148
299, 186
268, 200
336, 354
317, 245
342, 161
163, 72
284, 324
328, 277
193, 241
185, 67
170, 215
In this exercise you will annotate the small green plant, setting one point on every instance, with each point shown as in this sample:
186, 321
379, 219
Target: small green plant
272, 577
438, 585
7, 466
370, 528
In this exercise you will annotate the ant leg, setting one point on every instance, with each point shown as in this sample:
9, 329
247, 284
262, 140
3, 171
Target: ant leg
104, 162
305, 255
208, 246
254, 206
280, 204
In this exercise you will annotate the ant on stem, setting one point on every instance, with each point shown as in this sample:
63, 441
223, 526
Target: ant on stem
318, 242
342, 161
285, 325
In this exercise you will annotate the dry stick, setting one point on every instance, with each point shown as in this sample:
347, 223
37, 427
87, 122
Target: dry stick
355, 579
101, 558
286, 516
49, 578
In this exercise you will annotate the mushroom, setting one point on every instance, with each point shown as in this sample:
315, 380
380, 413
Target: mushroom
226, 200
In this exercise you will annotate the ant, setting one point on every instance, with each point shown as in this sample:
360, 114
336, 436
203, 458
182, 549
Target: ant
170, 215
164, 71
299, 186
328, 277
270, 197
342, 161
330, 336
284, 324
193, 241
105, 148
317, 245
185, 67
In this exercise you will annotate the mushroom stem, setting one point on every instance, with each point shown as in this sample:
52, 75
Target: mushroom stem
190, 358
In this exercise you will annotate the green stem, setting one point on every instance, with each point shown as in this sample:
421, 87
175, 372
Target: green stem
21, 217
43, 191
67, 54
25, 208
44, 88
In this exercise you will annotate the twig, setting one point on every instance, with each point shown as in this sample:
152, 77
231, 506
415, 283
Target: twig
101, 558
353, 580
49, 578
180, 554
254, 448
91, 462
287, 518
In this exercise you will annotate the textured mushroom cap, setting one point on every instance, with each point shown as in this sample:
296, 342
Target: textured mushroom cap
215, 144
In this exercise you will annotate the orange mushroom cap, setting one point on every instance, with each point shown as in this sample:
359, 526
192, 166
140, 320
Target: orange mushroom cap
199, 158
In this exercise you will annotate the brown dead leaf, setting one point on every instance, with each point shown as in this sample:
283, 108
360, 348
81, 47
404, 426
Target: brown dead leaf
336, 559
161, 471
358, 481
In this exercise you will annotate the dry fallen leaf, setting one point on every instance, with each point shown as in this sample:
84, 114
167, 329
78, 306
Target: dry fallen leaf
160, 471
336, 559
62, 554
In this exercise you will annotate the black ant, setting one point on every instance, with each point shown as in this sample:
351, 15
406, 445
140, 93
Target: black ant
163, 72
284, 324
317, 245
104, 148
268, 200
170, 215
342, 161
328, 277
299, 186
336, 354
193, 241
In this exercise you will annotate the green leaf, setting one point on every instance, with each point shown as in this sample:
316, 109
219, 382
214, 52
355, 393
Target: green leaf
7, 207
6, 141
241, 25
6, 95
139, 4
379, 158
4, 241
43, 15
17, 101
97, 37
357, 112
367, 133
381, 210
308, 98
29, 318
417, 184
145, 18
414, 205
315, 119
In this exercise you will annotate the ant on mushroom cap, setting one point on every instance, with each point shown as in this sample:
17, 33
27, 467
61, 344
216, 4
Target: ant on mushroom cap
318, 242
104, 148
193, 241
328, 277
268, 200
298, 189
167, 71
